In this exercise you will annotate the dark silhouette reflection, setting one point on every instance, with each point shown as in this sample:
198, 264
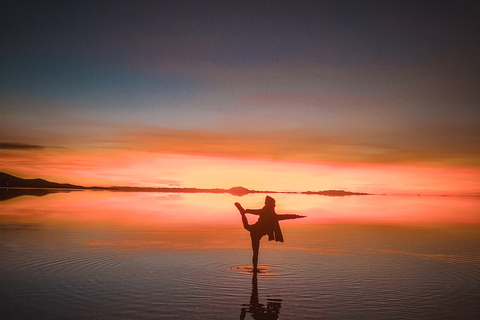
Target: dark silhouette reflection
258, 310
9, 193
267, 224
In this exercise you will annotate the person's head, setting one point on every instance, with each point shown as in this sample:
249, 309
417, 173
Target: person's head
269, 202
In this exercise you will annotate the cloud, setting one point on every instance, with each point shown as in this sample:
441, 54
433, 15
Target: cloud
19, 146
430, 144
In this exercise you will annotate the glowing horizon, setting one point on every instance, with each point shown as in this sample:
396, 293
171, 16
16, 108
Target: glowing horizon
255, 174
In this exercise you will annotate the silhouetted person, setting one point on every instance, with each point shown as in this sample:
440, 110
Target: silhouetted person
267, 224
258, 310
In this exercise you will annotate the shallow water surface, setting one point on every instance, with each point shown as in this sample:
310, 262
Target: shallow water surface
104, 255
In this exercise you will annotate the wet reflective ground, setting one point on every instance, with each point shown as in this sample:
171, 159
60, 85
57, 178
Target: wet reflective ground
104, 255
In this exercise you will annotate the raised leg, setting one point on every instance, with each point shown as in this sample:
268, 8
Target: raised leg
244, 218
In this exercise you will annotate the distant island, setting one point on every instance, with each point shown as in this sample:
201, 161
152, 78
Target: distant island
336, 193
237, 191
15, 184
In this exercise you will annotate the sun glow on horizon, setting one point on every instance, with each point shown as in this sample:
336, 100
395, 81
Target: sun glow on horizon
138, 209
148, 169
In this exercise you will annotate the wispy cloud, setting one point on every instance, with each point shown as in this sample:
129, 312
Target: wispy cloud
19, 146
420, 144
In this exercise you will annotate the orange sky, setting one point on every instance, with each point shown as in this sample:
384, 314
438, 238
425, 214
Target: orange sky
283, 97
145, 168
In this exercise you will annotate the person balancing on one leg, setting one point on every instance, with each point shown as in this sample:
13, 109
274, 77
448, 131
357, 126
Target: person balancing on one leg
267, 224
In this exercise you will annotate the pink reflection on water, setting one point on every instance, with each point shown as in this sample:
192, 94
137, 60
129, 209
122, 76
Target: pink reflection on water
403, 210
121, 208
212, 210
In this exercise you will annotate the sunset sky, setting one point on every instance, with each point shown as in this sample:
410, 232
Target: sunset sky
372, 96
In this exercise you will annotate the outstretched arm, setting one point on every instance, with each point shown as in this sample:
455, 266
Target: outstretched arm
288, 216
253, 211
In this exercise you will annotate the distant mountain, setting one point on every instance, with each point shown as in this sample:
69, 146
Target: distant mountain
239, 191
336, 193
236, 191
9, 181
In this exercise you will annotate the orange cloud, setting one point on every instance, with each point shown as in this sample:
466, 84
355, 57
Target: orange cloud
148, 168
417, 145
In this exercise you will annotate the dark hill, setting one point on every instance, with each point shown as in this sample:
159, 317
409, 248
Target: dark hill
9, 181
239, 191
336, 193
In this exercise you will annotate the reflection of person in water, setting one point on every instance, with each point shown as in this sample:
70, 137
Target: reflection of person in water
267, 224
257, 309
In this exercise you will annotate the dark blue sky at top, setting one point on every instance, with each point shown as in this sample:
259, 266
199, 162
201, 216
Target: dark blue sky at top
248, 32
130, 51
